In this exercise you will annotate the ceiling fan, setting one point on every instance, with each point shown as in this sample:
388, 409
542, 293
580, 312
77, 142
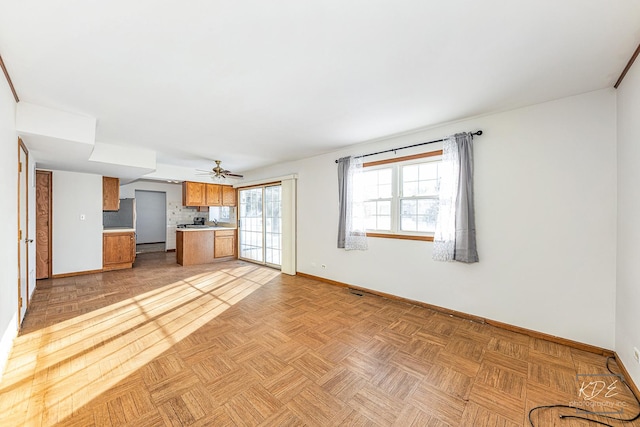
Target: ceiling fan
218, 172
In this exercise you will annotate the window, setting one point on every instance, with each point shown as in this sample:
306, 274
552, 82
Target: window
222, 213
419, 198
378, 185
401, 196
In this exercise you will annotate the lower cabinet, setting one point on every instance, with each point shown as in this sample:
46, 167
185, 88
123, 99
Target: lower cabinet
118, 250
194, 247
204, 246
225, 243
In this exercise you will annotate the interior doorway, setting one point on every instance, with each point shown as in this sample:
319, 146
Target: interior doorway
151, 221
43, 224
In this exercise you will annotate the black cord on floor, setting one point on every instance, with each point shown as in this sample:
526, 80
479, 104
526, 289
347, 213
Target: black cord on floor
622, 420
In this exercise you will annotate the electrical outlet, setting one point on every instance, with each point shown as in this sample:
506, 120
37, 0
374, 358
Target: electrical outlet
636, 354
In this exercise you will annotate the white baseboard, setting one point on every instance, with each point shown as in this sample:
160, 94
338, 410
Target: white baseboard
6, 343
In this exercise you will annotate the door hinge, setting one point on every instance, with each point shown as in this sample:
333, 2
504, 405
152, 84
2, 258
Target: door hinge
19, 166
19, 302
19, 234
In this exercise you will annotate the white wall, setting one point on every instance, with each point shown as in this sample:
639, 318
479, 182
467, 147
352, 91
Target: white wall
77, 243
175, 211
628, 286
32, 223
38, 120
8, 222
546, 222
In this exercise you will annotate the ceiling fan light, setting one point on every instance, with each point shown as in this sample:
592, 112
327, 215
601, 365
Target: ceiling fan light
219, 174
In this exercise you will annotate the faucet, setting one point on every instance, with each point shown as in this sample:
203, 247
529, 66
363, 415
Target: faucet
215, 222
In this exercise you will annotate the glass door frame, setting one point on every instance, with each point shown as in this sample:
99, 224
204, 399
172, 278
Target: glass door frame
264, 231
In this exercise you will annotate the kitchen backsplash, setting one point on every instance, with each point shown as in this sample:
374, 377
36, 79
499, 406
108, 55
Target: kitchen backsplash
178, 214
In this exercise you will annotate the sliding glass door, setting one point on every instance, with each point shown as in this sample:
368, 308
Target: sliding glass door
251, 225
260, 231
273, 224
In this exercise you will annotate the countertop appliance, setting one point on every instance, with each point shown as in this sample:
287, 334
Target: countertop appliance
198, 222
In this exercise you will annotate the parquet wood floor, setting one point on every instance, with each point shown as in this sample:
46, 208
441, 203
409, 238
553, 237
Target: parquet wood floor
242, 345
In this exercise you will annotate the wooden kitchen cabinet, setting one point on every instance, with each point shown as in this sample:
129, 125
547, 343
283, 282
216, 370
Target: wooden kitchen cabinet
193, 193
194, 247
229, 197
201, 194
214, 195
110, 193
224, 243
203, 246
118, 250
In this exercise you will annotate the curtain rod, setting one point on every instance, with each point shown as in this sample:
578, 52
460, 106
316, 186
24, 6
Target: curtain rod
411, 146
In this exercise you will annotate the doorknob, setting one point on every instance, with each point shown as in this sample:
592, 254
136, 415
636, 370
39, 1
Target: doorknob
28, 240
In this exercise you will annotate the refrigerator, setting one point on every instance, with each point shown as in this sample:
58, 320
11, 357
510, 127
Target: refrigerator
123, 217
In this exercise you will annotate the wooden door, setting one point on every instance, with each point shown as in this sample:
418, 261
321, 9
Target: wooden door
110, 194
43, 224
193, 193
213, 195
229, 196
118, 250
225, 243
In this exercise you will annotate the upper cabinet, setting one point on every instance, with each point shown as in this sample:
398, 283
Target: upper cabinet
193, 193
214, 195
229, 196
201, 194
110, 193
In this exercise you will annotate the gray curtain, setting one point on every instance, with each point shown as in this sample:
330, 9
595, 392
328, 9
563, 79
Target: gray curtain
465, 246
343, 168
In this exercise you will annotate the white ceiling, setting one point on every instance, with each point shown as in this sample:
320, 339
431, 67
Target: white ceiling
259, 82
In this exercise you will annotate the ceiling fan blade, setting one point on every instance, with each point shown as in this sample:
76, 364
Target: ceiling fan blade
217, 172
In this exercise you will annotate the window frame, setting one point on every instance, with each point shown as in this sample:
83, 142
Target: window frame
396, 198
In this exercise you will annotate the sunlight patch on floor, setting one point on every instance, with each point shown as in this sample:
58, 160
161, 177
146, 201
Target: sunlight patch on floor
70, 363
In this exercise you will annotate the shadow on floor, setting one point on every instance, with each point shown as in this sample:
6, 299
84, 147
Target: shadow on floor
143, 248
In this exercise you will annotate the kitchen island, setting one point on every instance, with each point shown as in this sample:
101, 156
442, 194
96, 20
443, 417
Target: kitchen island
205, 245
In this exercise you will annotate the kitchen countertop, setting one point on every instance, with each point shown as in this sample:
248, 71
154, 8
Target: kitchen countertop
118, 230
205, 229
